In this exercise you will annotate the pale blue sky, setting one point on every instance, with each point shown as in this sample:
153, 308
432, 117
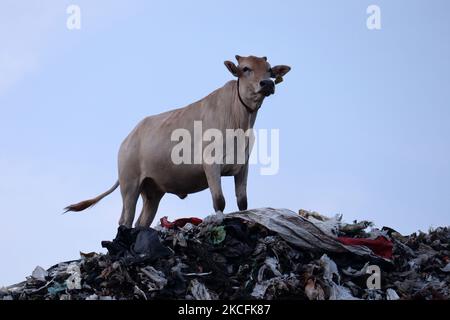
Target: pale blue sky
363, 115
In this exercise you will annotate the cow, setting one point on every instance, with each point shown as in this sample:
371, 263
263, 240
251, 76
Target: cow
145, 164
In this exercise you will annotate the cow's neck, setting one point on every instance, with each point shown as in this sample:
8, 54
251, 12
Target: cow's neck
245, 111
249, 105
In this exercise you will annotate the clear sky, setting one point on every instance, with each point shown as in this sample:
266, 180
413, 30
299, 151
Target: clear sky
363, 115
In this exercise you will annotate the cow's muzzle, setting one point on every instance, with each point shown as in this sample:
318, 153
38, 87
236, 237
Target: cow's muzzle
267, 87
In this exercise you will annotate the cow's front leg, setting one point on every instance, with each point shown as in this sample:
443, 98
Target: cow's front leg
240, 185
212, 173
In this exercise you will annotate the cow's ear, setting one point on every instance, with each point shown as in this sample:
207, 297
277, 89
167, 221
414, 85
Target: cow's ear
280, 71
235, 71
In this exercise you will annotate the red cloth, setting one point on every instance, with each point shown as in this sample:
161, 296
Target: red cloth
380, 246
180, 223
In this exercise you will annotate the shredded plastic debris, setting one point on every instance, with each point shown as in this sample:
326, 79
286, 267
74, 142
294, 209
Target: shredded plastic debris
217, 234
380, 246
179, 223
40, 274
255, 254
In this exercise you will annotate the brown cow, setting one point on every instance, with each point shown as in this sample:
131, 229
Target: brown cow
145, 162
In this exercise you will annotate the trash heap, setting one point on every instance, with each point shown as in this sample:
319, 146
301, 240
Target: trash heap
255, 254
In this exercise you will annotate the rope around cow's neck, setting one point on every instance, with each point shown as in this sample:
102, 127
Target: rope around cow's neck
250, 110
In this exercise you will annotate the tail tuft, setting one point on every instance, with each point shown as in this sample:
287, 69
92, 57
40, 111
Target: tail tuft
89, 203
80, 206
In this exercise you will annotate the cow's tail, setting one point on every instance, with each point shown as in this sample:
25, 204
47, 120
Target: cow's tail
89, 203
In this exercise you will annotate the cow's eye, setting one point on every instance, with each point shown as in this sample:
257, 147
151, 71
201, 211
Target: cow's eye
246, 69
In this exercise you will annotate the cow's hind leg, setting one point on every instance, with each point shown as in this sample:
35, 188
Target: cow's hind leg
130, 193
151, 196
149, 209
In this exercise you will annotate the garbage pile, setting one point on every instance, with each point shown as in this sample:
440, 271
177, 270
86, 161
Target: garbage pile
255, 254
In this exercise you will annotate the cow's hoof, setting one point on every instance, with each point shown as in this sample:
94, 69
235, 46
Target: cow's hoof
214, 219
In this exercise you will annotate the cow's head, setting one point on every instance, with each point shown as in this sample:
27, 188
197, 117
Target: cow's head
255, 77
